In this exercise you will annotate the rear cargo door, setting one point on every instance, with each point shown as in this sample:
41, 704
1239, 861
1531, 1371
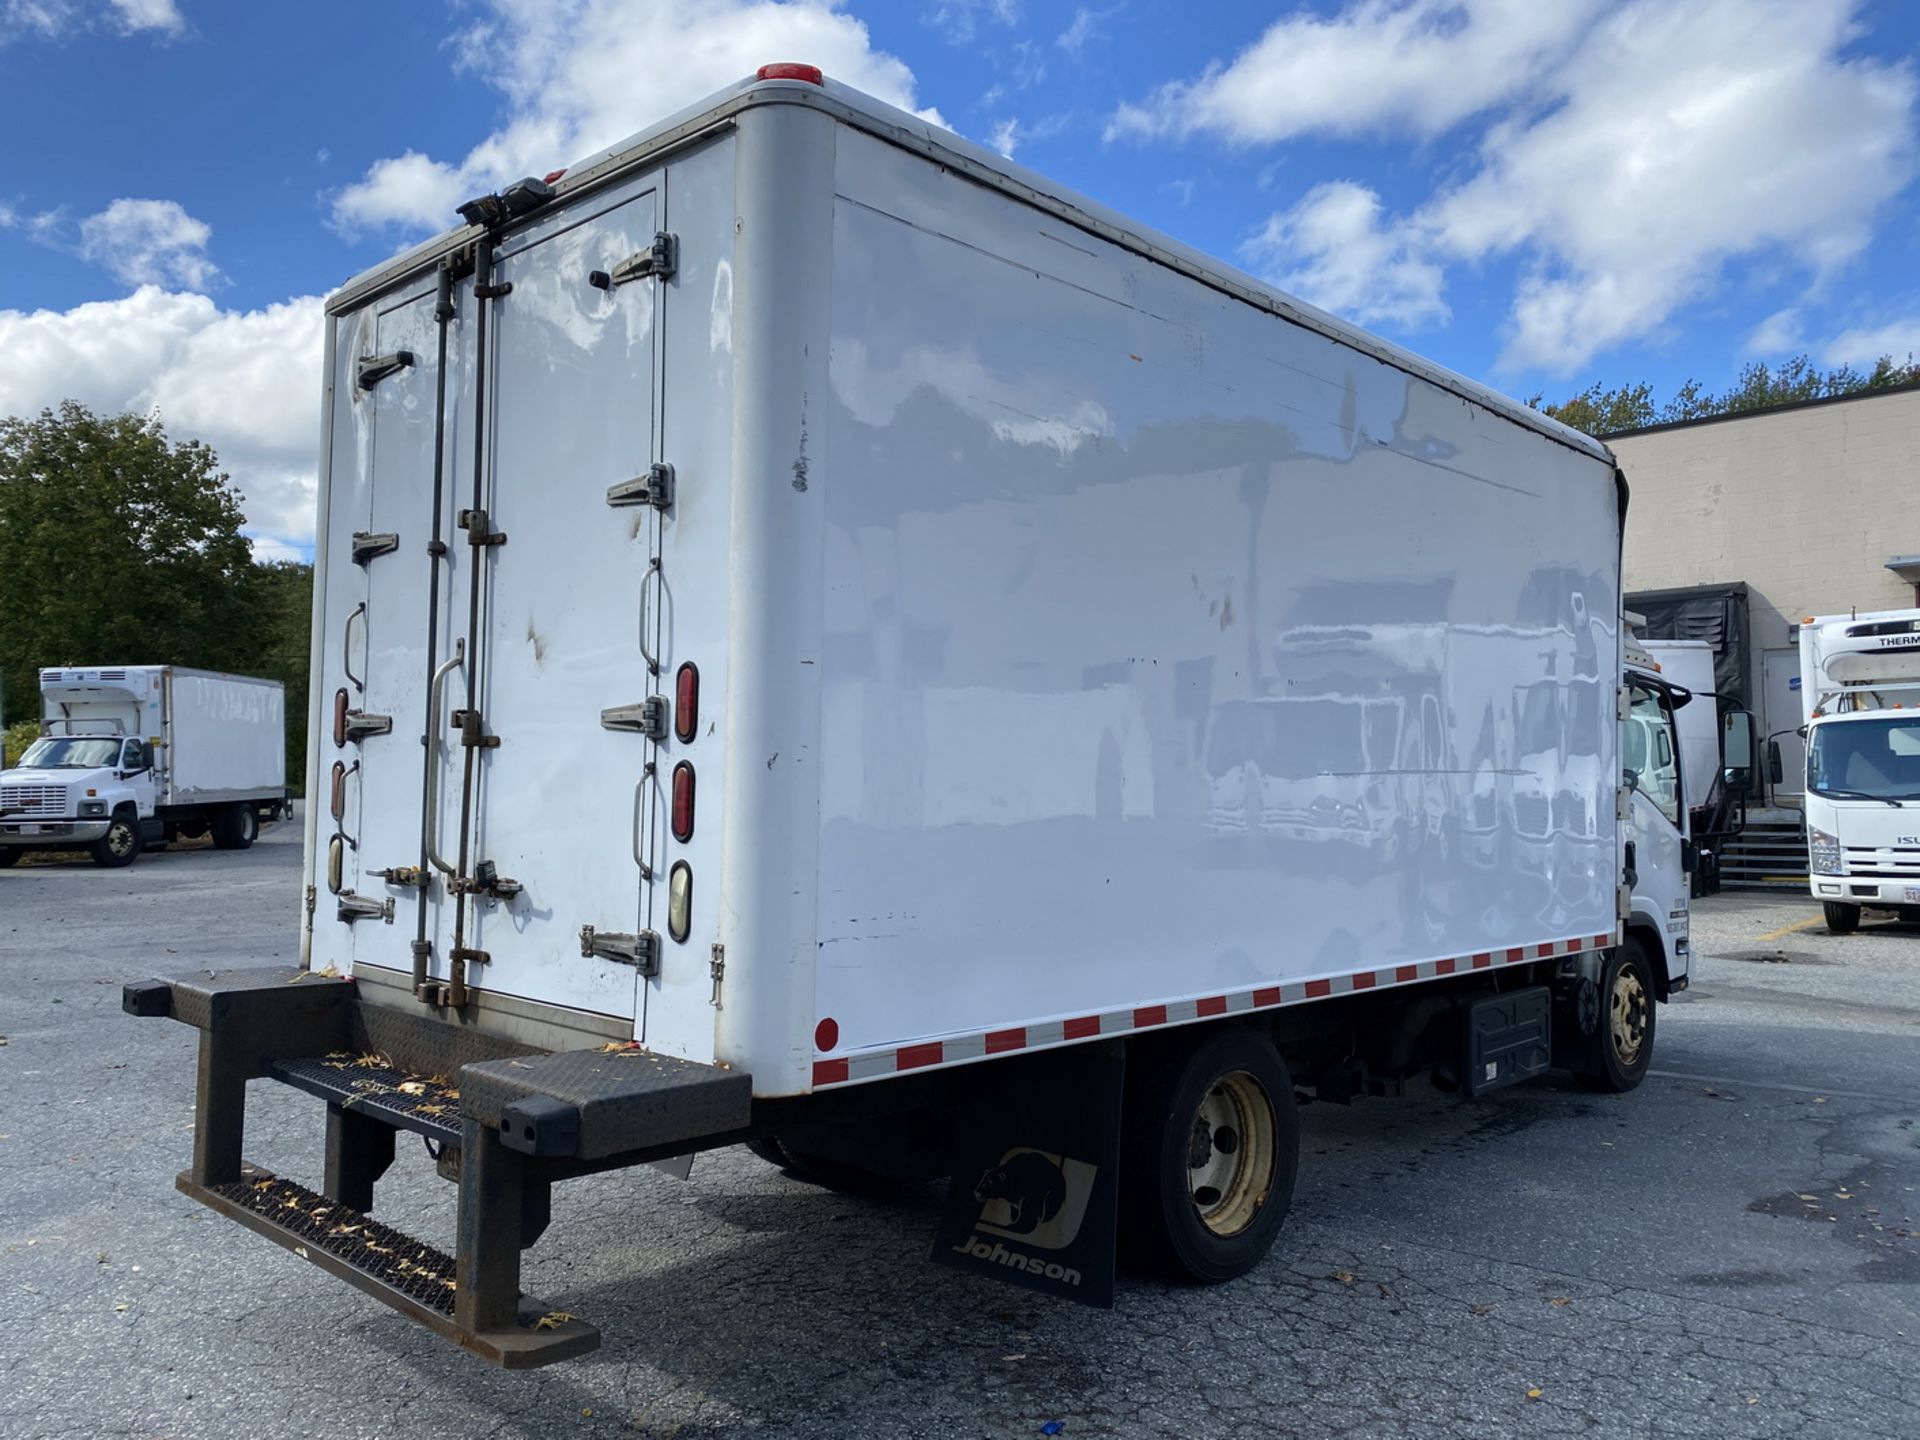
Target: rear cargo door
568, 801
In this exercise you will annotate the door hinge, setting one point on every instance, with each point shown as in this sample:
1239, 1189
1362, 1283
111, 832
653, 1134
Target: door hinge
658, 261
359, 725
366, 545
717, 970
648, 718
313, 895
372, 369
642, 951
479, 527
364, 907
654, 488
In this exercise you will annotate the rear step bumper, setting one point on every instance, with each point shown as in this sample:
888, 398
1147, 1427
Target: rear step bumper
511, 1121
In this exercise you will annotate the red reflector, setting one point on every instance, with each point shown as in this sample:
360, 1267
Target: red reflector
339, 806
551, 176
809, 73
686, 702
340, 716
683, 802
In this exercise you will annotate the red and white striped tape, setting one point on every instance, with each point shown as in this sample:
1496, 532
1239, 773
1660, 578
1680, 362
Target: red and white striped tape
876, 1064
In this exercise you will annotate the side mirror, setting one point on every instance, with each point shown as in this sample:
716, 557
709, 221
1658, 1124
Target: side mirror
1775, 771
1662, 748
1736, 752
1631, 778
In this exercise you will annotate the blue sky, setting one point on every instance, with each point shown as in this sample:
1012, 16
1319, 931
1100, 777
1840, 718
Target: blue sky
1539, 193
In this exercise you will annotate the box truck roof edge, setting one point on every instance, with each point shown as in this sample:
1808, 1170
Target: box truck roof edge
898, 127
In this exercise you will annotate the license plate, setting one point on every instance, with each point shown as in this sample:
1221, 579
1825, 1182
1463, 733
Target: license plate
28, 829
1913, 894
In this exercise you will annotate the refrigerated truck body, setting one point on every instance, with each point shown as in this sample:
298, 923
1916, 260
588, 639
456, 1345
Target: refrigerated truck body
133, 757
778, 592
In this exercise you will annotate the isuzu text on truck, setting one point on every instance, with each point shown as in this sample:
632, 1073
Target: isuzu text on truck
134, 757
826, 641
1860, 692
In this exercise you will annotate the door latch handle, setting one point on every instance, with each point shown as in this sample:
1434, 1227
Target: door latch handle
641, 950
648, 718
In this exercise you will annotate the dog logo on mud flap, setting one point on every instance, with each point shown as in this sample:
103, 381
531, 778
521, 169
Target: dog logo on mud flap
1037, 1199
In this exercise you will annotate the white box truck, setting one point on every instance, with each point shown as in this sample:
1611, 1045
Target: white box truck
1860, 694
134, 757
824, 640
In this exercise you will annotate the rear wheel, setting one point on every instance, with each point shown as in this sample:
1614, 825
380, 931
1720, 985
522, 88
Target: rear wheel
1626, 1020
1841, 919
236, 827
121, 843
1209, 1146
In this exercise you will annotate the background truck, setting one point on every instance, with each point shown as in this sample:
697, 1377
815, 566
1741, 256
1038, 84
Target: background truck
1860, 691
1717, 752
804, 609
133, 757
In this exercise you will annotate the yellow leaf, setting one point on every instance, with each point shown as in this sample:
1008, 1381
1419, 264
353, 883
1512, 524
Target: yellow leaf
553, 1320
1535, 1393
412, 1087
1559, 1300
1345, 1277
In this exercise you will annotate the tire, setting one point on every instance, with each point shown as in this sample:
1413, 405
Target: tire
116, 849
1209, 1145
835, 1175
236, 828
1628, 1016
1841, 919
10, 855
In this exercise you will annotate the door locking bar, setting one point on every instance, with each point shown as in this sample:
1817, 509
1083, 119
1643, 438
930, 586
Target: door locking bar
479, 528
654, 488
485, 880
659, 260
648, 718
407, 877
642, 950
473, 730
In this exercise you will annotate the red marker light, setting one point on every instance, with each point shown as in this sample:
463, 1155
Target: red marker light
686, 702
551, 176
683, 802
340, 716
809, 73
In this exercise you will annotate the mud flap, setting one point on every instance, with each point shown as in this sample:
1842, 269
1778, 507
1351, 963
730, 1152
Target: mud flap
1508, 1039
1036, 1174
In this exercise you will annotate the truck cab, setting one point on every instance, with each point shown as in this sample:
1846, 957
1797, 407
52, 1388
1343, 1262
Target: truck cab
1660, 846
1860, 691
78, 790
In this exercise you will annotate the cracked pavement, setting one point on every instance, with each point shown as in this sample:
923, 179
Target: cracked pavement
1730, 1251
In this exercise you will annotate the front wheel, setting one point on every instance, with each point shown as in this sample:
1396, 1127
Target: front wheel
119, 845
1841, 919
1210, 1142
1627, 1021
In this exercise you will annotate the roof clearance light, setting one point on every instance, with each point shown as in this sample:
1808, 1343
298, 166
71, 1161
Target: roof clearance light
552, 177
809, 73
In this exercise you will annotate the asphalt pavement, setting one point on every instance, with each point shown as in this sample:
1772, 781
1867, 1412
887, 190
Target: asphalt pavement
1730, 1251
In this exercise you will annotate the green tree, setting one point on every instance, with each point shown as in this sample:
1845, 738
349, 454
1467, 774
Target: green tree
280, 596
117, 545
1600, 411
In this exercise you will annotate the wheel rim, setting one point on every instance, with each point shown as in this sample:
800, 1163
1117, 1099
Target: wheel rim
1629, 1015
1230, 1154
120, 838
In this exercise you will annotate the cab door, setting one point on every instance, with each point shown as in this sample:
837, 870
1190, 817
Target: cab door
1657, 819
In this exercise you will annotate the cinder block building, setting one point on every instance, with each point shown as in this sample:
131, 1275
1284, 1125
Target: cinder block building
1741, 525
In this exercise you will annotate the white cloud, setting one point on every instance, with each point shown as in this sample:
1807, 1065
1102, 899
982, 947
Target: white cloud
246, 382
1861, 347
1409, 65
58, 19
568, 69
1083, 28
1778, 334
1626, 162
161, 15
1005, 137
1332, 251
959, 20
149, 242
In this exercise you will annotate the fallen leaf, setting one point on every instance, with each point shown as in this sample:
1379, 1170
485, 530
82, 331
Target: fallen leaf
1819, 1099
1481, 1310
332, 972
412, 1087
1012, 1359
553, 1320
1810, 1199
1558, 1300
120, 1308
1345, 1277
1535, 1393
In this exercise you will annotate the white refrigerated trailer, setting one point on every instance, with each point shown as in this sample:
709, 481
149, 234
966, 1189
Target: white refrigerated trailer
134, 757
787, 597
